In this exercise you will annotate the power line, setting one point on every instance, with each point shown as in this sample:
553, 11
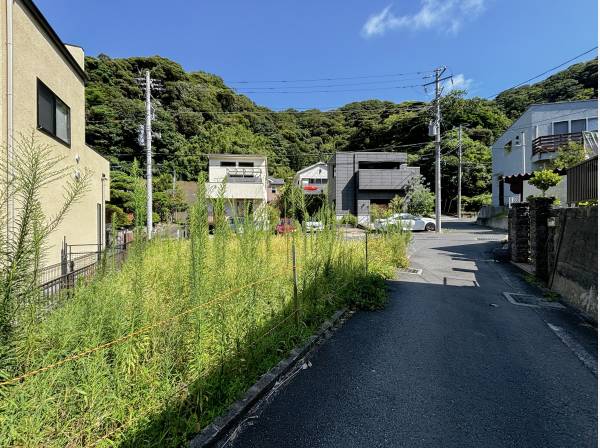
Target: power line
389, 75
546, 72
332, 85
332, 91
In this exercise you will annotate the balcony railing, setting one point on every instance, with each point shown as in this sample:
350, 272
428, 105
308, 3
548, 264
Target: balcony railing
551, 143
385, 179
244, 175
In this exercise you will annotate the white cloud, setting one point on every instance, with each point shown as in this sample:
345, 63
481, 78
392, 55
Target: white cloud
446, 15
457, 82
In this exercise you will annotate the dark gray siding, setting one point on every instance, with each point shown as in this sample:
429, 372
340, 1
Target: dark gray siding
353, 189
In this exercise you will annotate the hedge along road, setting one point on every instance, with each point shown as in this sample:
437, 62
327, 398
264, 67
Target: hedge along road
450, 362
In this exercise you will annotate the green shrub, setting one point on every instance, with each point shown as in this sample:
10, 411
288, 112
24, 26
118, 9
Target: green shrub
116, 215
397, 204
379, 212
474, 203
421, 201
368, 292
349, 219
569, 155
544, 179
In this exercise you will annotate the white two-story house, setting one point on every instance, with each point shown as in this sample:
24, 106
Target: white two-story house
532, 142
243, 180
312, 179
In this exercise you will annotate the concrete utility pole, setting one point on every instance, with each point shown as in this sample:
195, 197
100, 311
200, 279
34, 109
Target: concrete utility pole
459, 204
438, 143
148, 155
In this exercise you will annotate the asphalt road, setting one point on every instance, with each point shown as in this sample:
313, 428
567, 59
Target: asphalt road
449, 363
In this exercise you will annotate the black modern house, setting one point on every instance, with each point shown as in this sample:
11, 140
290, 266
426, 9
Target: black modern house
359, 179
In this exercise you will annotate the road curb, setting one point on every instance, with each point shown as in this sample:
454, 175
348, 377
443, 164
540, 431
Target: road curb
213, 433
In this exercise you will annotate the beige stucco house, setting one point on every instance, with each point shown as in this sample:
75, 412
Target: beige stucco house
42, 90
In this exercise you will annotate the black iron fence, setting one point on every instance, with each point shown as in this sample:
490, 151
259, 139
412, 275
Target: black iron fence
582, 181
76, 267
80, 262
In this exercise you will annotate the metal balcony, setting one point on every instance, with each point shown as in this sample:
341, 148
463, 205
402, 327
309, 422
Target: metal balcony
244, 175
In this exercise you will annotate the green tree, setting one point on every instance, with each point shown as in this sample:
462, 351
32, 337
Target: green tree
199, 114
569, 155
544, 179
421, 201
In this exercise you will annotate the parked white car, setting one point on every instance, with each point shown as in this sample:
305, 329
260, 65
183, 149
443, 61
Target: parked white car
313, 226
406, 221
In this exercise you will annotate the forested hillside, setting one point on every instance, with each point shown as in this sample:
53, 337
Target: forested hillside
578, 82
197, 113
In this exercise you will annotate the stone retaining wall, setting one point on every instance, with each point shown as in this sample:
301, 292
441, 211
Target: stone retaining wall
518, 232
572, 257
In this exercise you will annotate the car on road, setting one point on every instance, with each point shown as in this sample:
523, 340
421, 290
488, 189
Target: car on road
406, 221
313, 226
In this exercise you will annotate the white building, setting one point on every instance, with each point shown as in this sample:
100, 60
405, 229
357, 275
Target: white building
312, 179
241, 177
532, 141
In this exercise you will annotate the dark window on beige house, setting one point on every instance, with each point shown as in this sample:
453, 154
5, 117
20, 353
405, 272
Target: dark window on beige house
53, 115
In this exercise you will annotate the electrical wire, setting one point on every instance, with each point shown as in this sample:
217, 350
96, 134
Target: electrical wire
389, 75
333, 85
545, 72
332, 91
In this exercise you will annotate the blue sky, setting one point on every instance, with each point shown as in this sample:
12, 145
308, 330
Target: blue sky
488, 45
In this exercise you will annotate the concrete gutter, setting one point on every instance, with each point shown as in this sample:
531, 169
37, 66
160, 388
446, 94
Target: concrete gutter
214, 432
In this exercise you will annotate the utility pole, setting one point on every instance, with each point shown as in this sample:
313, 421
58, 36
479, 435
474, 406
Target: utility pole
459, 204
145, 139
148, 155
438, 143
173, 210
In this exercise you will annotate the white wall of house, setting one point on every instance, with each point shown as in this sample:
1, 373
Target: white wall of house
538, 120
317, 171
245, 178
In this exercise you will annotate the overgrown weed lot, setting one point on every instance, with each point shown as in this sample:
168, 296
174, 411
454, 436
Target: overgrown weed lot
149, 354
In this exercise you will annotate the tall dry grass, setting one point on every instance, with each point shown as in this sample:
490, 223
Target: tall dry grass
180, 332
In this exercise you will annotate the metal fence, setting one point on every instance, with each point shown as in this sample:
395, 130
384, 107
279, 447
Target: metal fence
64, 276
582, 181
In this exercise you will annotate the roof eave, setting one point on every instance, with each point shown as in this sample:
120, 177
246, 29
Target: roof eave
39, 17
